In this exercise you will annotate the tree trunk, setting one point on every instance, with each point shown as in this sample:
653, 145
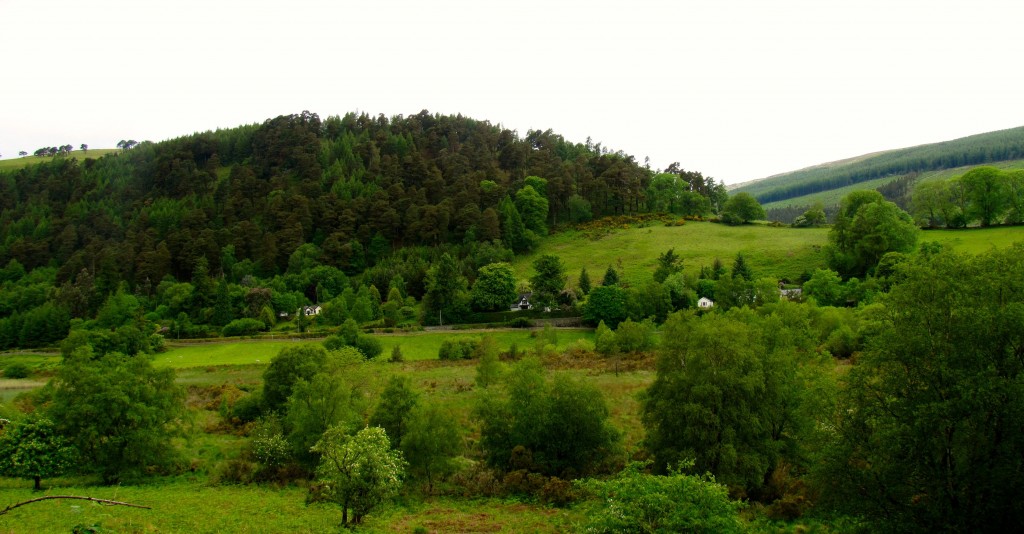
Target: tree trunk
39, 485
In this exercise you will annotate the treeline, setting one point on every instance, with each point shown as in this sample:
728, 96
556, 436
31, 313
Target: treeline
974, 150
984, 196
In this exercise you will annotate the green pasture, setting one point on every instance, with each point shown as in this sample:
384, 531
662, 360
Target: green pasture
414, 346
196, 507
975, 240
778, 252
13, 164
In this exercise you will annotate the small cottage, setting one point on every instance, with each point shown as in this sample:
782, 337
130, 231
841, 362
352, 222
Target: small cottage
705, 303
522, 303
310, 311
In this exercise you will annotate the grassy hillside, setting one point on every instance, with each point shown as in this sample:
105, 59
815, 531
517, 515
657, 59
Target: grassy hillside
833, 196
18, 163
633, 251
987, 148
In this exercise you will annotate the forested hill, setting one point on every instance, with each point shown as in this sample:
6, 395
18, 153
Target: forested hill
296, 192
978, 149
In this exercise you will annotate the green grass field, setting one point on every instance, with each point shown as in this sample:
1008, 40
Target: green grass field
414, 346
195, 507
776, 252
12, 164
975, 240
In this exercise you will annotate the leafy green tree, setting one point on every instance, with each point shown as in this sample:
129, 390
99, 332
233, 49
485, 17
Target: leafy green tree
814, 216
729, 394
533, 207
334, 396
287, 367
562, 423
826, 288
495, 287
396, 403
488, 367
866, 228
584, 281
119, 411
930, 203
605, 304
447, 298
605, 340
548, 279
635, 501
32, 448
634, 337
579, 209
929, 427
431, 442
742, 208
987, 194
358, 472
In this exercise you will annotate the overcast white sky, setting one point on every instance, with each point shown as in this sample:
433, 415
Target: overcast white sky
736, 89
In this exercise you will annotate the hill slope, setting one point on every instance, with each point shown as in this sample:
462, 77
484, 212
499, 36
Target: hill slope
986, 148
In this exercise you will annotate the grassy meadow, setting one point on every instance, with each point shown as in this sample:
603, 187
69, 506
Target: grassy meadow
778, 252
194, 502
11, 164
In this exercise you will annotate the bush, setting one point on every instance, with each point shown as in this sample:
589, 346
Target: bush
520, 322
369, 346
17, 370
635, 501
457, 349
243, 327
235, 471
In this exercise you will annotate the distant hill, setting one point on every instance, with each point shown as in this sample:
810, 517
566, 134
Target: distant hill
870, 171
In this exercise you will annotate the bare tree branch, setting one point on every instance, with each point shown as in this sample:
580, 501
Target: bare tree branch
93, 499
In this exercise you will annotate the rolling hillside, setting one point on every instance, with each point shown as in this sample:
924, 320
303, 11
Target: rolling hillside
830, 181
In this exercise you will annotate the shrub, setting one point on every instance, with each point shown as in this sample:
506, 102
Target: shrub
243, 327
457, 349
635, 501
17, 370
369, 346
520, 322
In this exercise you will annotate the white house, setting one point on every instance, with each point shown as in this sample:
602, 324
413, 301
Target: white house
705, 303
310, 311
522, 303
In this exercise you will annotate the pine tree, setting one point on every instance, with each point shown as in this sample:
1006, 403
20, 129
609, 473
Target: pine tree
584, 281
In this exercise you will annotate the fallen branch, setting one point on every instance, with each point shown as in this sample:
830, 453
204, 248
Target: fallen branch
93, 499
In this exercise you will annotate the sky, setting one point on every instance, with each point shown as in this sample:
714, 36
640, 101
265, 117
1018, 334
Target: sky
735, 89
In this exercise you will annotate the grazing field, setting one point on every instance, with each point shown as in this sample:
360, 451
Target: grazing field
778, 252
